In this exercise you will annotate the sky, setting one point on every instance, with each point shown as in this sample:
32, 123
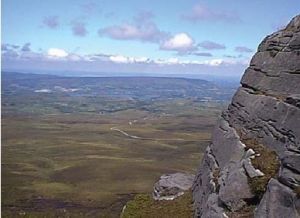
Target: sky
154, 37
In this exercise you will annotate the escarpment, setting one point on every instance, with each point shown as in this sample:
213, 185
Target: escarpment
252, 167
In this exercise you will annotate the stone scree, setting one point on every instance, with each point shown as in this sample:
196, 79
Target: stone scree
265, 108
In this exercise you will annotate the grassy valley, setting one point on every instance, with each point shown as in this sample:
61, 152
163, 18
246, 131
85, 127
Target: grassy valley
85, 146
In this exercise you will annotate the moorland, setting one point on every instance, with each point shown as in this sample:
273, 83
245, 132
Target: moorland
85, 146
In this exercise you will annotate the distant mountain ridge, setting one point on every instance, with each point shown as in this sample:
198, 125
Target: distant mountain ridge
252, 167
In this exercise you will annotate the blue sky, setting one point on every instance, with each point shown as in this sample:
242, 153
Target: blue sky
157, 37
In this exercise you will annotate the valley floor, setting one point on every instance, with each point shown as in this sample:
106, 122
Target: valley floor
77, 163
86, 153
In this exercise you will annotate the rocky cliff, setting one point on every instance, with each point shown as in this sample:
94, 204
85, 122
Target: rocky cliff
252, 167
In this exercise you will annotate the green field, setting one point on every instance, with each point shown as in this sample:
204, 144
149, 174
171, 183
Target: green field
58, 163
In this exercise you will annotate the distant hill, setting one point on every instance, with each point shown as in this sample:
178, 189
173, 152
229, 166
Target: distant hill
144, 88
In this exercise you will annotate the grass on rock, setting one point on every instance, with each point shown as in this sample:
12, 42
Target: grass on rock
143, 205
267, 162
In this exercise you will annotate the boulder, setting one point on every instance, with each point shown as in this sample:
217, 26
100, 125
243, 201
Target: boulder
170, 186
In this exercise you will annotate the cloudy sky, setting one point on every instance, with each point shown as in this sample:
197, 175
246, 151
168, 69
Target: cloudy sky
138, 36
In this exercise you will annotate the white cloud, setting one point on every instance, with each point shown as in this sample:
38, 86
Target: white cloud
74, 57
168, 61
119, 59
142, 60
43, 91
125, 60
214, 62
58, 58
173, 61
142, 28
58, 53
179, 42
202, 13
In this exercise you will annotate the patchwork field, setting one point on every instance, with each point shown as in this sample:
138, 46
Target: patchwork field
86, 163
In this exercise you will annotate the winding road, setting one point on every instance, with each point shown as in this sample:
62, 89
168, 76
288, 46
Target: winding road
143, 138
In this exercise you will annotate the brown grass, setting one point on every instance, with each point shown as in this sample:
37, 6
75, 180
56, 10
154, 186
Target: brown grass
245, 212
267, 163
78, 158
144, 206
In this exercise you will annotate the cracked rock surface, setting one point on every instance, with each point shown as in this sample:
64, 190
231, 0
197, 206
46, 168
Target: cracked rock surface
266, 108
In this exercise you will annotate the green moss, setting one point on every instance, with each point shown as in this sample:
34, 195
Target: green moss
144, 206
267, 162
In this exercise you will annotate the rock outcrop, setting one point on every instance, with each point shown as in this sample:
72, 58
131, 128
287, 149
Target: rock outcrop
252, 167
171, 186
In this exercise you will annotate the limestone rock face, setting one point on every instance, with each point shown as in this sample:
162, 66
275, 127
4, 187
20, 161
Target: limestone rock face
263, 118
278, 201
170, 186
